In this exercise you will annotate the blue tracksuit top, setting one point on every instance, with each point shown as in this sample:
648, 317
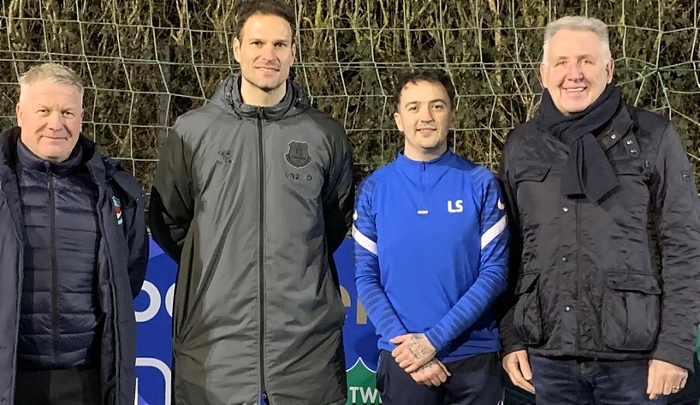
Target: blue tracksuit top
431, 253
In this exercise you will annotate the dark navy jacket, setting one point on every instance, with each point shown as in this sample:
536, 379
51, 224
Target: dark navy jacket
121, 266
59, 311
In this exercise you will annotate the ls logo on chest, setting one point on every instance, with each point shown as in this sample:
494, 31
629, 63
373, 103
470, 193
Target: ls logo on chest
454, 207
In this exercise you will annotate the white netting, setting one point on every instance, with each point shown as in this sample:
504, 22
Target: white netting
144, 62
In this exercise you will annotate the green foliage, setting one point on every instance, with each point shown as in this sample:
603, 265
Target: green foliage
147, 61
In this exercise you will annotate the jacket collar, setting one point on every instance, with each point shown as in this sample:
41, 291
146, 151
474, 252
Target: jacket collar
26, 158
407, 164
228, 97
101, 167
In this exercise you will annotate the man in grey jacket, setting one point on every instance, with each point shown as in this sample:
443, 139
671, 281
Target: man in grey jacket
252, 195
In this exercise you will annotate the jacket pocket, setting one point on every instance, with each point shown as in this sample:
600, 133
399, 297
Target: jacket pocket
631, 311
527, 317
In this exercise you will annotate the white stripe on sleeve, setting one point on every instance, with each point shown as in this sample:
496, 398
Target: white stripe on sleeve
364, 241
493, 232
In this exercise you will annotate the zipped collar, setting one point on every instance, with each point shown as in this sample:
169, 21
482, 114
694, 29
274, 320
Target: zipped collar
26, 158
406, 164
228, 97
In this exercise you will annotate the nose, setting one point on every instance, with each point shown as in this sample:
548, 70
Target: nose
426, 115
574, 72
56, 121
268, 52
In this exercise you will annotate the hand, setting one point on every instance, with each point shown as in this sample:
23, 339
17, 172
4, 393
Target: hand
517, 366
414, 351
431, 374
665, 379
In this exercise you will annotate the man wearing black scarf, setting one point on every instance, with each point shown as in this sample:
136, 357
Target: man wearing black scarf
605, 221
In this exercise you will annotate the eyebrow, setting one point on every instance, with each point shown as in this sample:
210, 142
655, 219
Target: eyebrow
436, 100
585, 55
276, 41
68, 108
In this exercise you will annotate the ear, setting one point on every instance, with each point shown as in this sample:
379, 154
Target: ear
236, 47
18, 114
543, 75
397, 120
609, 69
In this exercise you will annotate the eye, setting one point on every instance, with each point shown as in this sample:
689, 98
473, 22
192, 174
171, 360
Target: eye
412, 108
68, 114
438, 107
281, 45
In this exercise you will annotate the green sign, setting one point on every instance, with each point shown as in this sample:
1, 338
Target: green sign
362, 385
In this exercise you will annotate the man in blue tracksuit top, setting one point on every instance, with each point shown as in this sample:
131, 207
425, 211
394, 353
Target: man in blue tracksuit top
431, 247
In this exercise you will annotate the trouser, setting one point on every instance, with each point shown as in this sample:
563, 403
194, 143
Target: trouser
68, 386
477, 380
572, 381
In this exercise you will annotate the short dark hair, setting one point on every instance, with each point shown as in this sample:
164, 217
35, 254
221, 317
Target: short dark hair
437, 76
249, 8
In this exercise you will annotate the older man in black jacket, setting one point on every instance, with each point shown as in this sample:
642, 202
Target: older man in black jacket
74, 254
606, 226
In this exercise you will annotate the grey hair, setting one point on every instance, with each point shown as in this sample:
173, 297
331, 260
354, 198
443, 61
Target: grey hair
578, 23
52, 72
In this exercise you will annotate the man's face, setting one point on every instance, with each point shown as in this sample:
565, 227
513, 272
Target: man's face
576, 70
265, 51
425, 116
50, 117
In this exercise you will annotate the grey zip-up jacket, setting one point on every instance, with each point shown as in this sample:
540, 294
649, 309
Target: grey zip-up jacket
252, 202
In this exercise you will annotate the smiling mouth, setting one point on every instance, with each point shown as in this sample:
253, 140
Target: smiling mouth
268, 69
575, 90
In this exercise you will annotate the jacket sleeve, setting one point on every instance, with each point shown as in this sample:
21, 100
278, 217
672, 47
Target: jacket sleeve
171, 208
507, 301
138, 243
492, 272
677, 219
338, 193
367, 275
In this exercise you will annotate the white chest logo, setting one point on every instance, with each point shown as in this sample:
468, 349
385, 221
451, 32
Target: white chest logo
454, 207
501, 206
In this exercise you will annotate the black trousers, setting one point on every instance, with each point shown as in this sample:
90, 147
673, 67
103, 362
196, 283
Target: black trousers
475, 381
69, 386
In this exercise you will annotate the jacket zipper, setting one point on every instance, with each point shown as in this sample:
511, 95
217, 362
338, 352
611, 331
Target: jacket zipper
54, 266
261, 257
423, 208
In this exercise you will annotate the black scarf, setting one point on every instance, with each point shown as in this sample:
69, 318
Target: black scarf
588, 171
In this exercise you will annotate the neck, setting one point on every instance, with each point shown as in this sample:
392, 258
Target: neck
424, 155
255, 96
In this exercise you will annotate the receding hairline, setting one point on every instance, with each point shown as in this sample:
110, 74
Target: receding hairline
52, 73
581, 24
